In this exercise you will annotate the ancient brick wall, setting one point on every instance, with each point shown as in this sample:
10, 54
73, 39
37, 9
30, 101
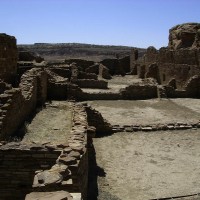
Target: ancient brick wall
124, 64
48, 167
81, 64
93, 69
180, 61
85, 75
104, 72
20, 103
70, 173
96, 120
181, 65
57, 86
18, 163
8, 58
139, 91
62, 70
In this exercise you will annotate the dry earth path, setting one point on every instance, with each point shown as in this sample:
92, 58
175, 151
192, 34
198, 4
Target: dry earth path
52, 124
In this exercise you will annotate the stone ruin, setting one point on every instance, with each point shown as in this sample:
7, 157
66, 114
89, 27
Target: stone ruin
44, 170
8, 58
38, 170
177, 63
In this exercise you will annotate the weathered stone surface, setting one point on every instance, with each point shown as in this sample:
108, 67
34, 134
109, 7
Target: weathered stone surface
139, 91
153, 72
104, 72
93, 69
58, 195
47, 177
184, 36
8, 57
57, 85
75, 154
178, 62
192, 87
67, 160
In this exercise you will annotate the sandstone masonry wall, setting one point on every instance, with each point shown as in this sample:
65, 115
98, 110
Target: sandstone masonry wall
20, 103
180, 61
70, 173
57, 86
50, 168
18, 163
8, 58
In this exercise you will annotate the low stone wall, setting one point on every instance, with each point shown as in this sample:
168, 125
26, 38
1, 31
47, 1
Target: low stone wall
117, 66
85, 75
81, 64
90, 83
156, 127
57, 86
111, 64
104, 72
70, 173
62, 70
96, 120
18, 163
191, 89
139, 91
93, 69
20, 103
50, 168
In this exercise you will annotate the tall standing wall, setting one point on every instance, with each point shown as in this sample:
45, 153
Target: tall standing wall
8, 57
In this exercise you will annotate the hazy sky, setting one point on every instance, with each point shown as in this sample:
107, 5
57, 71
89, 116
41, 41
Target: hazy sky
140, 23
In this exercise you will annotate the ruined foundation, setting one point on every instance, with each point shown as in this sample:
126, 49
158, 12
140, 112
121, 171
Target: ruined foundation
142, 113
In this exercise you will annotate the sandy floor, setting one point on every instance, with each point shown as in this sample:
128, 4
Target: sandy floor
145, 112
51, 124
141, 166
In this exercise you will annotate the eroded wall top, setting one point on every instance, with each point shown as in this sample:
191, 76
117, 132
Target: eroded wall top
184, 36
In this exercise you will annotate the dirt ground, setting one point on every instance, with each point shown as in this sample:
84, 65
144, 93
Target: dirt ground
146, 112
52, 124
143, 166
115, 84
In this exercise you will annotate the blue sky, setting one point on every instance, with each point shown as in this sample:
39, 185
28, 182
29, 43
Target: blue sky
139, 23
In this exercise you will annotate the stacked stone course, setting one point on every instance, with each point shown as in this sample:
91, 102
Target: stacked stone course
178, 62
19, 103
70, 173
8, 58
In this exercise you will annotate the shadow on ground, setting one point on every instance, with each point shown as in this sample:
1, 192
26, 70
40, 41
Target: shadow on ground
94, 193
